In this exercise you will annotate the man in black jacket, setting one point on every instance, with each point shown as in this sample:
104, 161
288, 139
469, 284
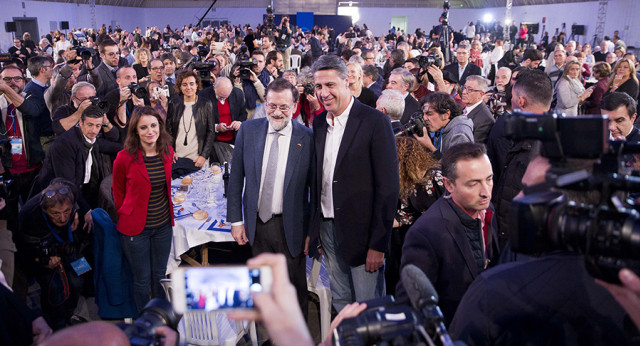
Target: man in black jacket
402, 80
41, 69
621, 109
455, 239
463, 68
107, 68
74, 156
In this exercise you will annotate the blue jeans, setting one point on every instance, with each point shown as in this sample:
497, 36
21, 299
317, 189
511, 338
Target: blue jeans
348, 284
147, 254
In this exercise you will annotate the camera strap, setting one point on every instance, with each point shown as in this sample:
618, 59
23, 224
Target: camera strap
55, 235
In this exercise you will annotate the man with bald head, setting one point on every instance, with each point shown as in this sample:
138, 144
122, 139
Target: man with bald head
229, 111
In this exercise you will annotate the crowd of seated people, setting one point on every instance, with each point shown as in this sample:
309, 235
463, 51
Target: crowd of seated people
109, 106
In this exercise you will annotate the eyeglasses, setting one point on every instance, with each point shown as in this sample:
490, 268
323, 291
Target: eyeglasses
156, 68
112, 54
469, 90
50, 193
283, 108
15, 79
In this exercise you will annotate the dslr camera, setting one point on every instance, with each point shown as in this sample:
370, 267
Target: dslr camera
138, 90
428, 60
415, 125
157, 313
48, 248
103, 105
309, 89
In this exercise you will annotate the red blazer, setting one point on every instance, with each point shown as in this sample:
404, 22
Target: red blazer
132, 188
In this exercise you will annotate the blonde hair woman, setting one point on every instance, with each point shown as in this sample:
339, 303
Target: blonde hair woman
357, 89
142, 58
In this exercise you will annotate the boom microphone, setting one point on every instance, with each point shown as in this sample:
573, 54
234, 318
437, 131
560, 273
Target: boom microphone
424, 298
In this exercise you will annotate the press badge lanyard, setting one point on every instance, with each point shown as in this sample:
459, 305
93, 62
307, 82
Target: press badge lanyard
54, 232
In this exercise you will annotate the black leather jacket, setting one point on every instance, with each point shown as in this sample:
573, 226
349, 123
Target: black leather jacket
203, 115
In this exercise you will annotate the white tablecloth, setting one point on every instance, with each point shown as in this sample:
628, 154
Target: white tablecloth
189, 232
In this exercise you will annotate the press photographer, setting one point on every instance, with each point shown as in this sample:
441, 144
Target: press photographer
50, 245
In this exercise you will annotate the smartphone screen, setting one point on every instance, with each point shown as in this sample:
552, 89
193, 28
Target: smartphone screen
218, 288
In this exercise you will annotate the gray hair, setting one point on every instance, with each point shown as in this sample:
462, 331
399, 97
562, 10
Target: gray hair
356, 59
35, 64
80, 85
407, 77
330, 62
220, 81
482, 82
393, 103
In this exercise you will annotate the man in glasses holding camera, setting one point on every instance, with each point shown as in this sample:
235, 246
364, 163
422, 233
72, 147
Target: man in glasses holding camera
50, 246
22, 153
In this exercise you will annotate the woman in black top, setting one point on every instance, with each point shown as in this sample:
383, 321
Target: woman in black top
420, 186
141, 64
357, 89
624, 79
190, 123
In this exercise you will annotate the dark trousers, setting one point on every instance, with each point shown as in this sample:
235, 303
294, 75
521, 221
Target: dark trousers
60, 291
19, 188
270, 238
147, 254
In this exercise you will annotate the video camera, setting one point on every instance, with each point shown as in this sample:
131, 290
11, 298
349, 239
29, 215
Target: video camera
415, 125
607, 233
204, 68
387, 323
245, 62
157, 313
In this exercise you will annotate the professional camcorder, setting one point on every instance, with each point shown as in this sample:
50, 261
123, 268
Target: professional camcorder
415, 125
387, 323
157, 313
606, 232
204, 68
245, 62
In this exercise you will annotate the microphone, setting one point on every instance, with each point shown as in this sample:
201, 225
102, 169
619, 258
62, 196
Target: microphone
424, 298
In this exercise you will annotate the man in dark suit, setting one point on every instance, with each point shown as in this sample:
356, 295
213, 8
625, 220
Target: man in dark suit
463, 68
472, 96
355, 187
316, 46
391, 103
455, 239
156, 74
402, 80
372, 79
621, 109
107, 69
229, 111
41, 69
272, 161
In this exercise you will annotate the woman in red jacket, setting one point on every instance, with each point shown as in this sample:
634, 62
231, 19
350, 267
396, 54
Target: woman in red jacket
142, 196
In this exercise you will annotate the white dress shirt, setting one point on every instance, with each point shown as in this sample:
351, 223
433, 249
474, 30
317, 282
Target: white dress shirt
335, 131
283, 154
468, 109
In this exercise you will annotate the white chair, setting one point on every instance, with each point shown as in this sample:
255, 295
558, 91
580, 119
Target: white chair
321, 289
210, 327
295, 62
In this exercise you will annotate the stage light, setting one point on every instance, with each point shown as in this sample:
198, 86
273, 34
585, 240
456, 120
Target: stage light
488, 18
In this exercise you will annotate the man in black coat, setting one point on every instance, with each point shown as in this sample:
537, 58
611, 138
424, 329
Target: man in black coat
355, 193
463, 68
402, 80
621, 109
74, 156
472, 95
455, 239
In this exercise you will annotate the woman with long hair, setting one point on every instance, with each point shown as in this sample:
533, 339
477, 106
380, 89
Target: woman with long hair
420, 186
190, 123
357, 89
141, 64
624, 79
142, 196
570, 91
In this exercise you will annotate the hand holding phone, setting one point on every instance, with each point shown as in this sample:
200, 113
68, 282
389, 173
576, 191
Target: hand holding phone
225, 288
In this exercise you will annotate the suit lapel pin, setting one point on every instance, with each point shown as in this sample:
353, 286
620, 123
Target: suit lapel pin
300, 145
